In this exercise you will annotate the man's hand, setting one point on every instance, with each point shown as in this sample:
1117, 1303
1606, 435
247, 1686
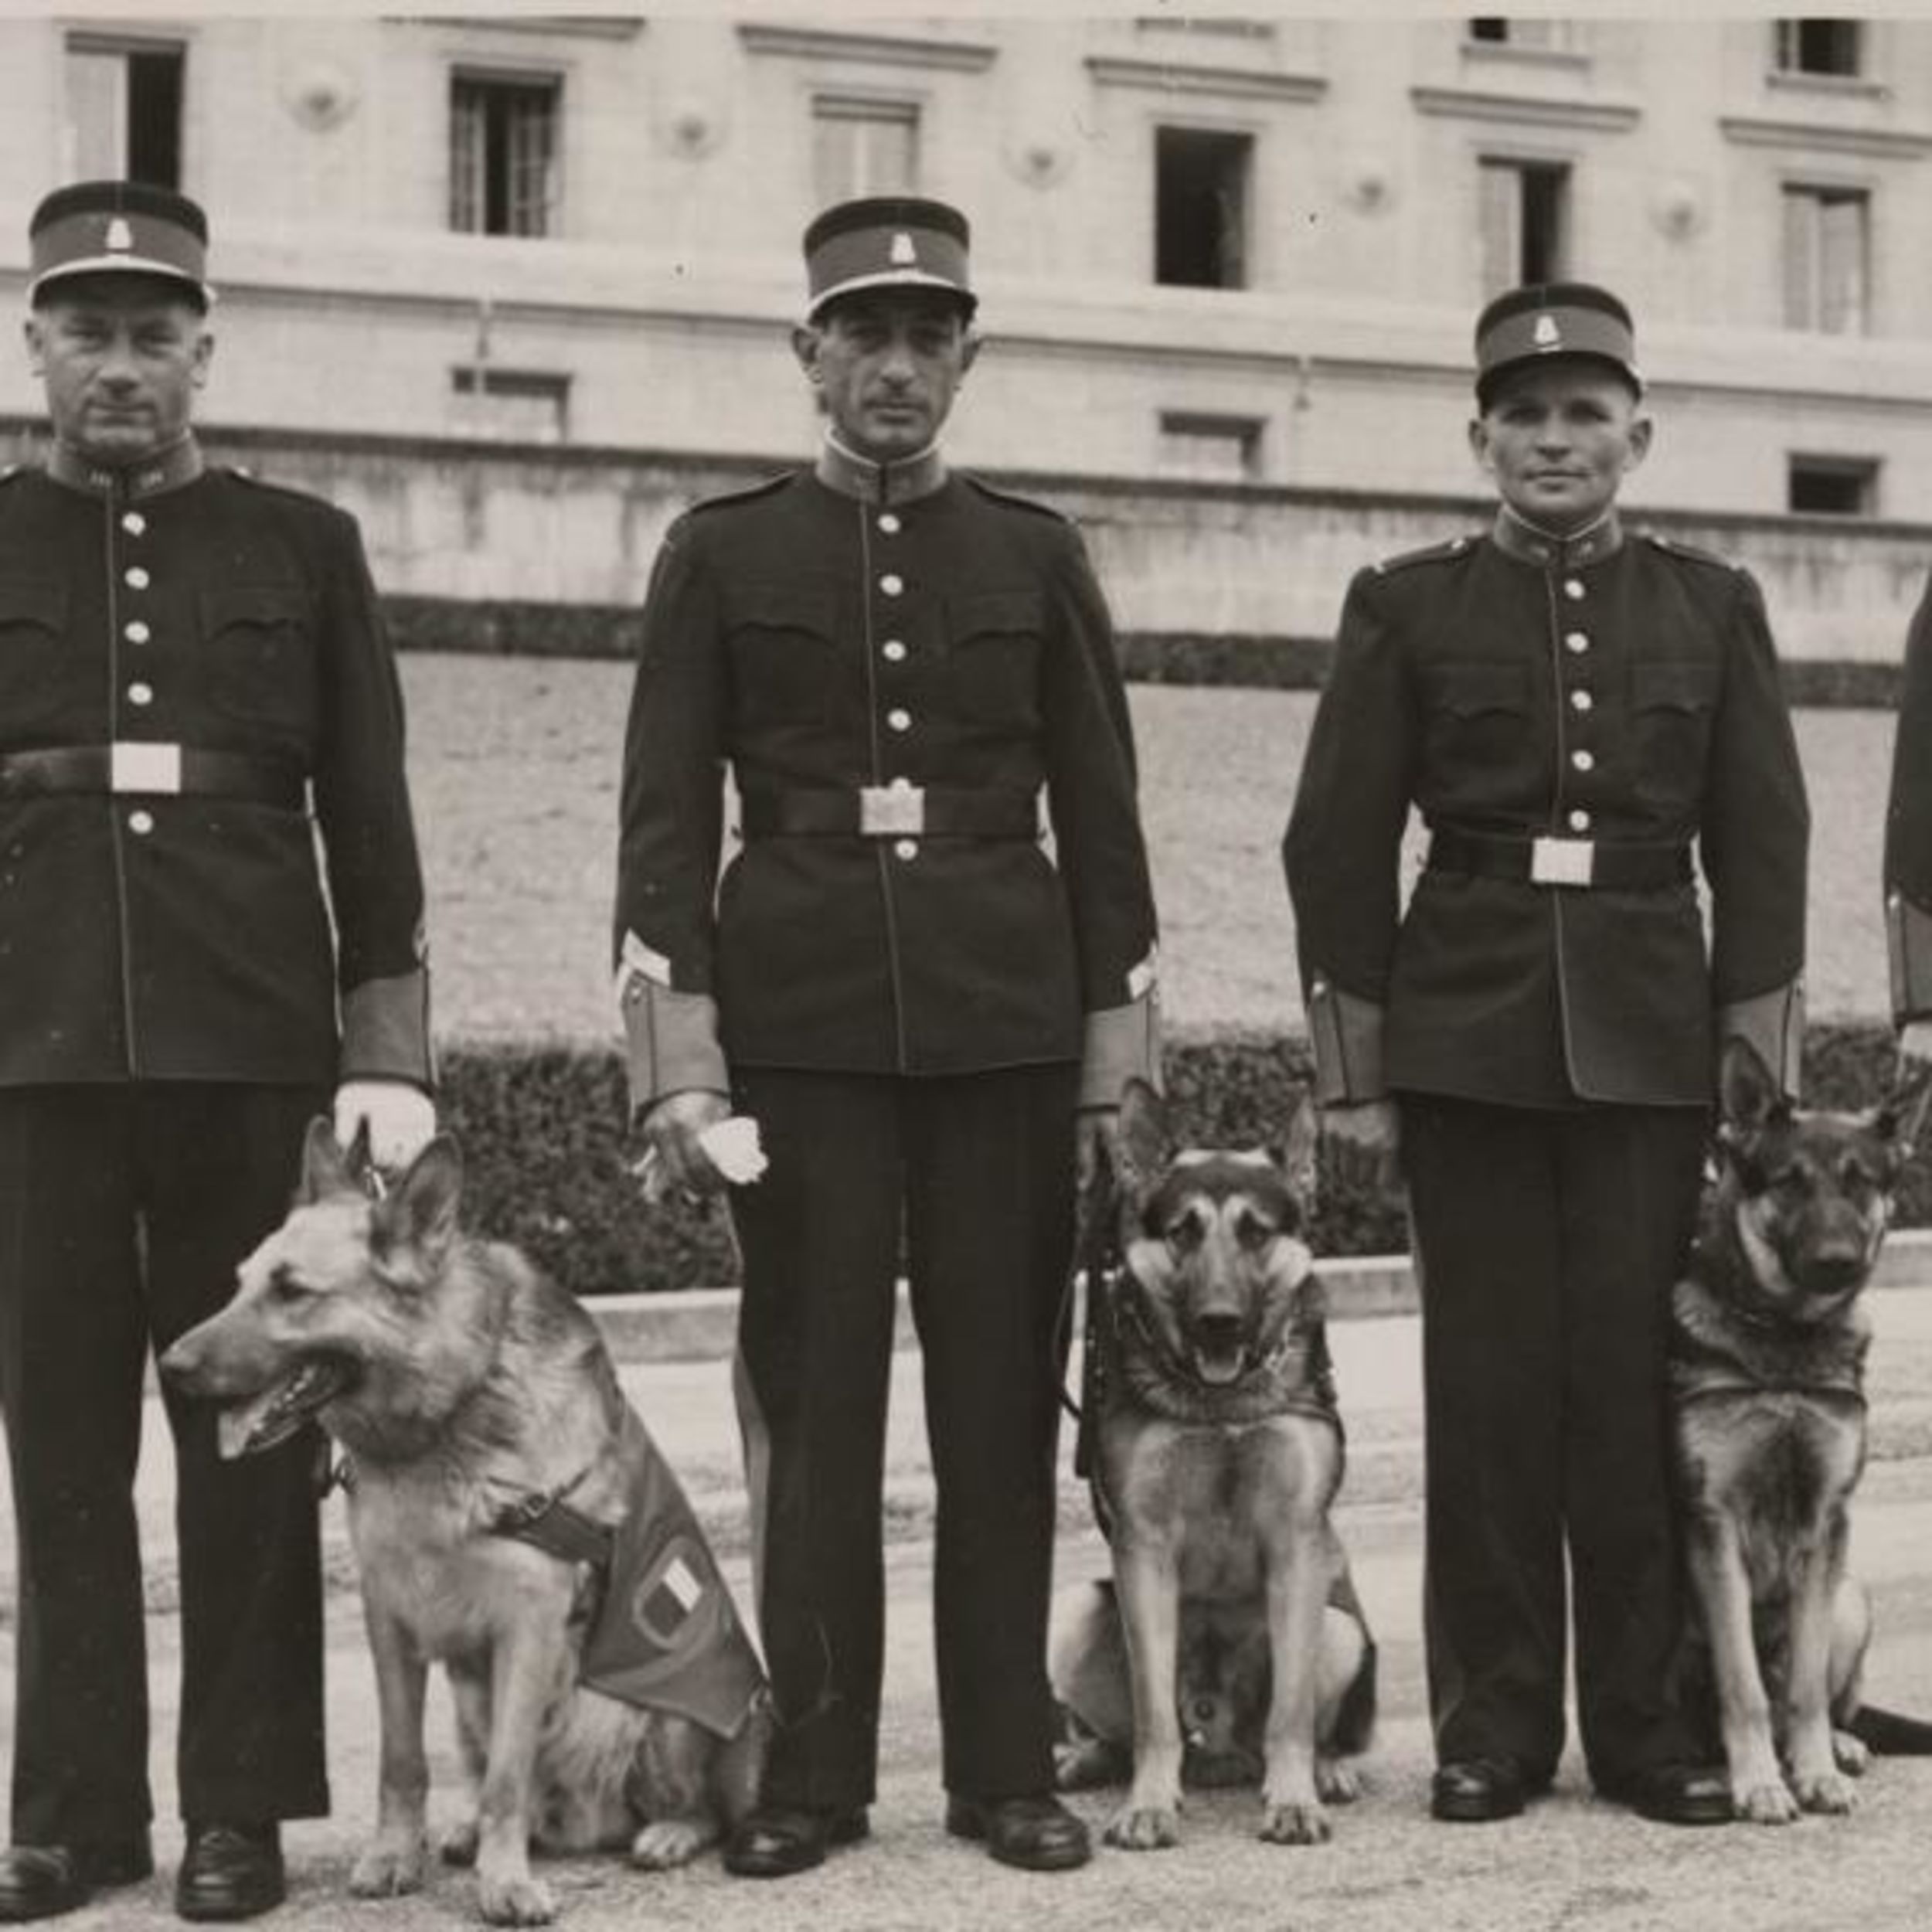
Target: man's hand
675, 1160
1096, 1137
401, 1119
1915, 1042
1367, 1143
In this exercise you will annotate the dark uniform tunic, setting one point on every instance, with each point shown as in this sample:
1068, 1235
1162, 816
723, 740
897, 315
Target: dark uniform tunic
1552, 1045
1908, 832
911, 1012
193, 682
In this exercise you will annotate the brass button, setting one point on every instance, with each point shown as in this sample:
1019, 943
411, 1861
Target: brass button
891, 583
141, 823
141, 694
134, 523
1573, 589
900, 720
893, 649
1583, 760
1580, 820
889, 523
137, 632
136, 578
1576, 641
905, 848
1580, 701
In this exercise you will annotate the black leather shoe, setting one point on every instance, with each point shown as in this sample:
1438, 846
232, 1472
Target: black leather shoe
777, 1840
1037, 1834
40, 1881
230, 1871
1676, 1793
1478, 1791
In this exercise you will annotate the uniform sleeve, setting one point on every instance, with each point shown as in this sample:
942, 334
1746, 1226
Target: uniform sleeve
1754, 839
1908, 832
1343, 846
1097, 834
369, 835
671, 809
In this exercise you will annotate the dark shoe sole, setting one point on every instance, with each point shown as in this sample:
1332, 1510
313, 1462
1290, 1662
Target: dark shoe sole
846, 1829
970, 1825
1454, 1807
226, 1911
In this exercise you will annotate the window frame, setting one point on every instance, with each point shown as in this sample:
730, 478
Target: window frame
503, 77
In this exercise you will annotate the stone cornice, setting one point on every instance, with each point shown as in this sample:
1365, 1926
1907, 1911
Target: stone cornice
883, 49
1534, 110
1180, 78
1875, 144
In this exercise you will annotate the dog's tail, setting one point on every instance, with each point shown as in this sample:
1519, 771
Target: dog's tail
1890, 1734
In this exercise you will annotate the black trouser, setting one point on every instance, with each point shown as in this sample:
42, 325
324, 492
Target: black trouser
1548, 1242
979, 1167
124, 1210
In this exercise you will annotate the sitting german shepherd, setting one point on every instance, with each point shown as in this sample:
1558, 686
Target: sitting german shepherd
511, 1517
1769, 1342
1230, 1645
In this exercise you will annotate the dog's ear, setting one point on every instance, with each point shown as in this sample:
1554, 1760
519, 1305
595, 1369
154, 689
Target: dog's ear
1748, 1092
325, 1169
1299, 1151
1145, 1145
1901, 1114
418, 1216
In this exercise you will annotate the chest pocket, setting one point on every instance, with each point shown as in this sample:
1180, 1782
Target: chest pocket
260, 655
782, 642
1477, 718
994, 639
33, 625
1672, 700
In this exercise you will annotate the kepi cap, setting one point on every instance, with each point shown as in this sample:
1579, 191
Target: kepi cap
887, 241
118, 227
1553, 319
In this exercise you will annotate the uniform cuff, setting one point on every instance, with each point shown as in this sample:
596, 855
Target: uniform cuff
385, 1031
1345, 1033
1908, 932
671, 1041
1774, 1024
1122, 1043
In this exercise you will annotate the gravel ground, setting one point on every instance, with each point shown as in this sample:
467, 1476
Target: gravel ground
514, 764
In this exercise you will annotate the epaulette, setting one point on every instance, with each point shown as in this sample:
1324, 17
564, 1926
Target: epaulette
764, 487
1674, 546
1007, 496
1450, 551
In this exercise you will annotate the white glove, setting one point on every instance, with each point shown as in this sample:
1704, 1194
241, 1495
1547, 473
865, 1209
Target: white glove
402, 1119
1915, 1042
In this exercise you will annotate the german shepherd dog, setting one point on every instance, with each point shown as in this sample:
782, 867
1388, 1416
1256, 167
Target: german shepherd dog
472, 1397
1768, 1348
1229, 1645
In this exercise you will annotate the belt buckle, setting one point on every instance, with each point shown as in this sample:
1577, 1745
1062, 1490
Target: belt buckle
1562, 861
133, 767
892, 811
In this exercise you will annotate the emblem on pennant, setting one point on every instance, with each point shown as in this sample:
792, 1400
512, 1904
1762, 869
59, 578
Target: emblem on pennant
121, 237
1546, 335
902, 251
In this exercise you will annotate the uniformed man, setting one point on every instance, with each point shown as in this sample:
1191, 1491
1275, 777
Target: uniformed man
1908, 848
193, 679
1569, 706
909, 996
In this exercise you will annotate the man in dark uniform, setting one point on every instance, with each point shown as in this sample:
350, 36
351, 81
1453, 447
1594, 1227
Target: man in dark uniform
918, 1006
193, 679
1570, 706
1908, 847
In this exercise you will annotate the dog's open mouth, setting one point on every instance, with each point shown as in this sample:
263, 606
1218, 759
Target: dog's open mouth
246, 1428
1218, 1363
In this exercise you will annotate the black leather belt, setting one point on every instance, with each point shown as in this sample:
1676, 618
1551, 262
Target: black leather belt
890, 811
1616, 866
152, 770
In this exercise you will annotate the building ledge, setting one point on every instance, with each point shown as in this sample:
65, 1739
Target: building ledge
1185, 77
1535, 110
1878, 143
884, 49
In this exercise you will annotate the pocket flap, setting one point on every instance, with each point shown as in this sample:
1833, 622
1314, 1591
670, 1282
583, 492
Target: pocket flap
783, 607
1679, 684
41, 601
993, 613
260, 604
1466, 689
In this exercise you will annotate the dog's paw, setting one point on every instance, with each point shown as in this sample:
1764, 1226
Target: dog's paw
515, 1898
1338, 1780
669, 1841
1826, 1792
1298, 1824
1144, 1827
1765, 1802
1853, 1755
385, 1869
459, 1844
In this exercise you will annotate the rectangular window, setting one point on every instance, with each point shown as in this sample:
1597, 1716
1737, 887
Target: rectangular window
1547, 37
123, 111
1225, 449
1821, 46
521, 406
863, 147
1201, 208
1833, 486
1523, 218
503, 155
1826, 250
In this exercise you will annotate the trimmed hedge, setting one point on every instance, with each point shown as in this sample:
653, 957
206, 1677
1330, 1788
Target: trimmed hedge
545, 1143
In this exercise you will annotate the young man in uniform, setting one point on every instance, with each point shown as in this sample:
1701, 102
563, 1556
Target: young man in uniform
922, 1010
1570, 706
193, 679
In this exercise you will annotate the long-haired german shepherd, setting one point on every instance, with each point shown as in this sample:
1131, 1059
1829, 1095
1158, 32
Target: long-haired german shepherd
1229, 1645
510, 1517
1769, 1341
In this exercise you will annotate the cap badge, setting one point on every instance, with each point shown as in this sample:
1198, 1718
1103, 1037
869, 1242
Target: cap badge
903, 253
121, 237
1546, 335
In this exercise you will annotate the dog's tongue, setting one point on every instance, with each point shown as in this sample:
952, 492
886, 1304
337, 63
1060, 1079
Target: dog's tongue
1219, 1367
235, 1428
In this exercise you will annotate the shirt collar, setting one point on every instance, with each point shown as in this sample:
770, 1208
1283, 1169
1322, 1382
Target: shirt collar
1516, 536
849, 473
180, 463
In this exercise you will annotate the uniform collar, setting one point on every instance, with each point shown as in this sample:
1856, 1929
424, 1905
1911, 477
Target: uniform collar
849, 473
169, 469
1516, 536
